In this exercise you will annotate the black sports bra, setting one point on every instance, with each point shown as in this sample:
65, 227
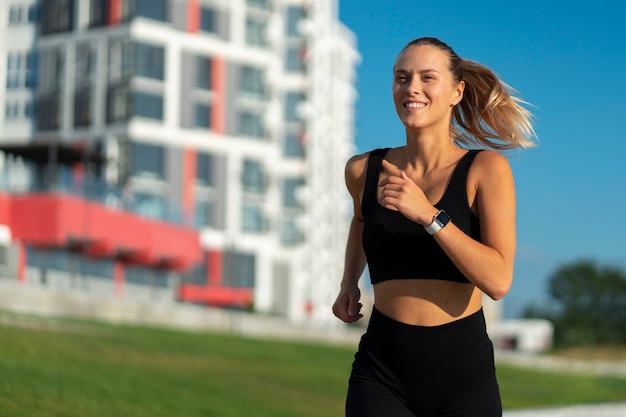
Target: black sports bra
398, 248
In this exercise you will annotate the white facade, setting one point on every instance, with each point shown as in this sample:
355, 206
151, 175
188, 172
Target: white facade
307, 59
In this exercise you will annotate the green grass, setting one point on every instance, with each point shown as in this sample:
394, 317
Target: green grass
92, 369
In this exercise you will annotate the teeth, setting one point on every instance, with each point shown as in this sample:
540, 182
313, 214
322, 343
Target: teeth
414, 105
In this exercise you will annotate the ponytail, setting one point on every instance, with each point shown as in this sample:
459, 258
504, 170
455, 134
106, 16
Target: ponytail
489, 115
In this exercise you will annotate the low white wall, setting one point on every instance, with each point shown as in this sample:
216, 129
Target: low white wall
40, 300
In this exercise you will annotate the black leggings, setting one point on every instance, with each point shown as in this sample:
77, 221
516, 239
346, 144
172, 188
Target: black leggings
402, 370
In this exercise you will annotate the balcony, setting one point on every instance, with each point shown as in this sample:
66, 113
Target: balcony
61, 220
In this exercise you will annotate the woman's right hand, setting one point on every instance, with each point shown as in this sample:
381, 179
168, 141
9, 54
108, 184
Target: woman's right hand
347, 307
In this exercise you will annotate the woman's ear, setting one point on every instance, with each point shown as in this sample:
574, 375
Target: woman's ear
458, 93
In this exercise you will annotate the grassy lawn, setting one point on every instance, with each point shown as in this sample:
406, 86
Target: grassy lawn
68, 368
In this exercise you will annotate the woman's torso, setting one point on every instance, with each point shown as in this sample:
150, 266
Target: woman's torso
426, 302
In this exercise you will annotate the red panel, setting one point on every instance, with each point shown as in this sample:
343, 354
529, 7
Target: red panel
193, 16
114, 12
57, 220
218, 84
216, 296
5, 208
216, 267
21, 262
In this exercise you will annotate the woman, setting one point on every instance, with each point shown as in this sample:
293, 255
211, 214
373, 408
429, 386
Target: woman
435, 223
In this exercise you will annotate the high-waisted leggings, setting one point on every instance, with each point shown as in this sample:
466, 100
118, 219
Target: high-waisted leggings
402, 370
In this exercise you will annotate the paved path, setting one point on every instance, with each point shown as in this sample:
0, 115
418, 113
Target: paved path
602, 410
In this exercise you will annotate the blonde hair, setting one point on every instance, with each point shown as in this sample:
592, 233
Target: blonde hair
489, 115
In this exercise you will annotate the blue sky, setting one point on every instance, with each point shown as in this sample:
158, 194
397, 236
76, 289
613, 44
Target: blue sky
566, 58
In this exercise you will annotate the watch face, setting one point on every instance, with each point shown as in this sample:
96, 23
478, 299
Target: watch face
443, 218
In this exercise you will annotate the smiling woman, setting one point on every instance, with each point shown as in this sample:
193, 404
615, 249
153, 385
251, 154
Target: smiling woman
435, 223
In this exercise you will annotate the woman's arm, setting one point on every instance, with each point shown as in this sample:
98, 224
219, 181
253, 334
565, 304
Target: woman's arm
347, 306
487, 264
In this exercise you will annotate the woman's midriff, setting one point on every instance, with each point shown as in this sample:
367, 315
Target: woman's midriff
422, 302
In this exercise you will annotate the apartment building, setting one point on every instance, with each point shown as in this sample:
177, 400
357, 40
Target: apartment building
188, 150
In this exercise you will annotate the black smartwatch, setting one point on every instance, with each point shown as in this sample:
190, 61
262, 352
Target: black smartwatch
440, 221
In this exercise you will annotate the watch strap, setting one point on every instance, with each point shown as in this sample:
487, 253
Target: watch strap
440, 220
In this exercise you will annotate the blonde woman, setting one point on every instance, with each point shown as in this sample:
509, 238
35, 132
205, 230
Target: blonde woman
434, 220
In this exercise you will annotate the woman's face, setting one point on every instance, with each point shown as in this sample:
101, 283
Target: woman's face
424, 92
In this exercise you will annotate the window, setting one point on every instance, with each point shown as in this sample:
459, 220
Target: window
48, 107
15, 15
22, 14
148, 105
149, 205
292, 101
252, 82
21, 70
120, 60
290, 187
118, 103
85, 63
294, 15
197, 274
13, 77
29, 110
149, 61
98, 268
292, 145
290, 232
56, 16
202, 115
82, 107
253, 176
204, 169
144, 275
97, 13
204, 211
239, 269
294, 60
48, 258
128, 9
256, 31
52, 69
33, 15
207, 20
251, 124
32, 64
252, 219
147, 160
11, 110
152, 9
203, 73
127, 58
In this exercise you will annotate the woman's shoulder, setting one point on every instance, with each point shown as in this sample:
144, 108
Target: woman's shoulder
357, 164
489, 166
487, 159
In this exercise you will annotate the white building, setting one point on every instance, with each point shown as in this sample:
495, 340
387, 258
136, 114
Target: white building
198, 146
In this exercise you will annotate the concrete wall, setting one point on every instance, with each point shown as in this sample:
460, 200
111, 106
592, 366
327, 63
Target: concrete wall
55, 302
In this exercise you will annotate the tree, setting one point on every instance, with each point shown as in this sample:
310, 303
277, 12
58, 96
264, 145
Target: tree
588, 305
